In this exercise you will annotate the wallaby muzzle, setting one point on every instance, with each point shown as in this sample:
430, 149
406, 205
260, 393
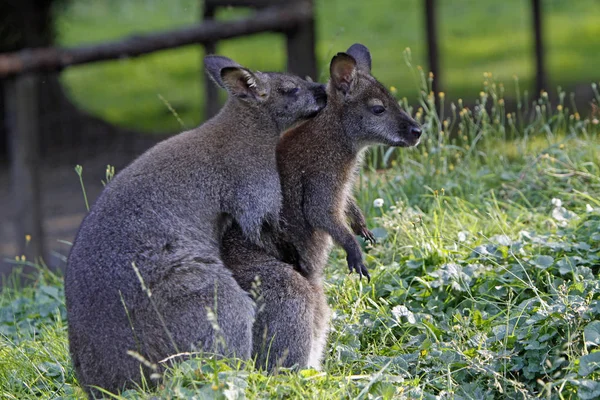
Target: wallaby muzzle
409, 133
320, 95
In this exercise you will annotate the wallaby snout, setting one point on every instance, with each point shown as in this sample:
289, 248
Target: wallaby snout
293, 99
320, 94
409, 131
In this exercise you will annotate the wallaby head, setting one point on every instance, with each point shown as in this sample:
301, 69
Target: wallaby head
286, 98
368, 111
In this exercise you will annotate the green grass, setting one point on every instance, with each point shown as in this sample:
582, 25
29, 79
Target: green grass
485, 280
475, 37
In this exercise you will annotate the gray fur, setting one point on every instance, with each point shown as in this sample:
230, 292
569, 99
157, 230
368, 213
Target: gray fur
165, 213
317, 163
291, 311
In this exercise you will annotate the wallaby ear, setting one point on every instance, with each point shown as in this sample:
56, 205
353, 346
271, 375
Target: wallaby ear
362, 55
343, 71
243, 83
214, 64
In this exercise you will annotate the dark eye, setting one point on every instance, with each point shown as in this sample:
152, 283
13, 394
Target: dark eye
377, 110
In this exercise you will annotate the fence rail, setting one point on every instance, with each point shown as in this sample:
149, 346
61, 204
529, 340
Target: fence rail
276, 18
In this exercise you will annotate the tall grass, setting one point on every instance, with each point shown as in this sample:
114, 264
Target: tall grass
485, 280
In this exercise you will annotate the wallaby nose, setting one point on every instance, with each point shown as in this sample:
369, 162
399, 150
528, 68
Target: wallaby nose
319, 90
416, 131
320, 94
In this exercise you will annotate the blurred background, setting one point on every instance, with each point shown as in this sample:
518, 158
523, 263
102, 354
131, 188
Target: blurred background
107, 112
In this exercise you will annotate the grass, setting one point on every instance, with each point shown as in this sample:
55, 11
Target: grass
474, 36
485, 280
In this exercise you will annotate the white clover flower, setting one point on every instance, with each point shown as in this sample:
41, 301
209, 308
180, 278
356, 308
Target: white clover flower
589, 208
462, 236
378, 203
556, 202
403, 311
561, 214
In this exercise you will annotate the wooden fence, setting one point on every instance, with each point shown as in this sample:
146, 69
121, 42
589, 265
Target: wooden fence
431, 28
292, 18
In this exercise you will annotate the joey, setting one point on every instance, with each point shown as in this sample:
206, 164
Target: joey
318, 160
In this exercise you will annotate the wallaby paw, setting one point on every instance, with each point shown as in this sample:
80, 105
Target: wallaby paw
356, 265
367, 235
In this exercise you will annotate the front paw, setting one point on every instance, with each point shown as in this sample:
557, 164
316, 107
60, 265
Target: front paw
355, 264
367, 235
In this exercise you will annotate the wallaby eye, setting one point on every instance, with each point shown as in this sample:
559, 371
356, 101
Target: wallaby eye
378, 110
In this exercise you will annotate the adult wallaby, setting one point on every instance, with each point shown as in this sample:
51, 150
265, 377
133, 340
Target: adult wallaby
317, 163
144, 273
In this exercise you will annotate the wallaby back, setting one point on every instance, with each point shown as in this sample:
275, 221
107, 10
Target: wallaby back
145, 265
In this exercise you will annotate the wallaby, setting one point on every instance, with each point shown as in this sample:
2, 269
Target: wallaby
144, 273
318, 160
317, 163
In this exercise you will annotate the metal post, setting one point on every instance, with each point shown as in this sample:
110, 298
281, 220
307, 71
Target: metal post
23, 130
540, 76
300, 41
432, 43
211, 105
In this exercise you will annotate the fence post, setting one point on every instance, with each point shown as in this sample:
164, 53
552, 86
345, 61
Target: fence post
21, 97
300, 42
211, 105
432, 43
540, 71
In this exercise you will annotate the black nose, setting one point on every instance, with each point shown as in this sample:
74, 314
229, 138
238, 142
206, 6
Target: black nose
320, 94
416, 131
319, 90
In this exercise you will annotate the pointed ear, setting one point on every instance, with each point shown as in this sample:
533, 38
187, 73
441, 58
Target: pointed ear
214, 64
243, 83
343, 72
362, 56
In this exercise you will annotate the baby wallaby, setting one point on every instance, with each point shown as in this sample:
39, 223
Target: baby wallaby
318, 160
145, 273
317, 164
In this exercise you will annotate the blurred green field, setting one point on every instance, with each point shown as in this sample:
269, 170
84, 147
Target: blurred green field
475, 37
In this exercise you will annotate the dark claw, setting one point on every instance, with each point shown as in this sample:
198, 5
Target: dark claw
368, 236
359, 268
365, 272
